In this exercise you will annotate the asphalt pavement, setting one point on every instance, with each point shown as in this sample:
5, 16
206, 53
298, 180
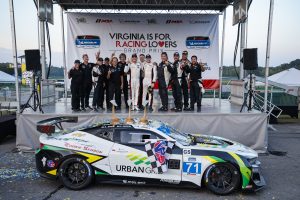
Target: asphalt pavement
281, 169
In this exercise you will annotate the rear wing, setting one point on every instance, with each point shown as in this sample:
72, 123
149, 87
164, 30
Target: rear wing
48, 126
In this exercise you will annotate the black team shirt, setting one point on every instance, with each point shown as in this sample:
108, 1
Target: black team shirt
195, 72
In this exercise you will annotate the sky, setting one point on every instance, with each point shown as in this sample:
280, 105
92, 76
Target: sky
285, 45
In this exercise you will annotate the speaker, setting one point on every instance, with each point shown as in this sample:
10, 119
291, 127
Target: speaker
32, 58
250, 59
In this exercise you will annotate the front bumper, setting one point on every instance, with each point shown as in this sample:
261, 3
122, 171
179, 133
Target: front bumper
257, 181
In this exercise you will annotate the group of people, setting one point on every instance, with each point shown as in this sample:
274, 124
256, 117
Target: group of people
112, 76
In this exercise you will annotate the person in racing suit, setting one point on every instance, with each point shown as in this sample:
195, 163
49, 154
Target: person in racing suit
183, 79
140, 98
134, 68
176, 88
195, 81
115, 77
149, 71
163, 77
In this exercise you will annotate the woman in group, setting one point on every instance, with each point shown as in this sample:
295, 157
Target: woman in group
115, 79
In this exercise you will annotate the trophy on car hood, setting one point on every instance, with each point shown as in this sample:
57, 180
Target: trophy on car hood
114, 119
129, 120
144, 119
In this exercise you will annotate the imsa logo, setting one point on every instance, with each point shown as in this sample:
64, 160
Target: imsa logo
107, 21
170, 21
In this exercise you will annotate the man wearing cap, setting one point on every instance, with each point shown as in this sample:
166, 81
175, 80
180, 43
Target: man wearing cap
134, 69
76, 74
98, 81
163, 77
87, 68
106, 67
149, 71
176, 89
183, 78
122, 63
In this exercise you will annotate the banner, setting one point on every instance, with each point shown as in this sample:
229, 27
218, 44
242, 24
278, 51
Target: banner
146, 34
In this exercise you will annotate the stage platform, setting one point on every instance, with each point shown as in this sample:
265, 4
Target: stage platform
217, 117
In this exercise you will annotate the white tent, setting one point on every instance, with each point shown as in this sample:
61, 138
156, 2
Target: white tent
6, 78
289, 77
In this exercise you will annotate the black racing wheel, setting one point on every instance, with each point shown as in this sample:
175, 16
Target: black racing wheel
222, 178
76, 173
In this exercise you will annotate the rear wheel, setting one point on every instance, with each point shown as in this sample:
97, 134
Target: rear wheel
76, 173
222, 178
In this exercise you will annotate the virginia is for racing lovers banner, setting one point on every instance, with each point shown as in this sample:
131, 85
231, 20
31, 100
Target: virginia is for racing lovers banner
147, 34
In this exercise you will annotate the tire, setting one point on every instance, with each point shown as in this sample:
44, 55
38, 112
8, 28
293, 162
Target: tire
76, 173
222, 178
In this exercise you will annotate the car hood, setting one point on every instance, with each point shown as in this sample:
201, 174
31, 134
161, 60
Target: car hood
221, 144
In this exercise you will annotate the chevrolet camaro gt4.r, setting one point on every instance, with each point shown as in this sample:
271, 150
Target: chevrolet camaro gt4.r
143, 153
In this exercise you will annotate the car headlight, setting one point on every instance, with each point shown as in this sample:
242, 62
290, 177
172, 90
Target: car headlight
252, 161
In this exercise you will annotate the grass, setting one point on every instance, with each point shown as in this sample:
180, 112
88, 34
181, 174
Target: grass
286, 119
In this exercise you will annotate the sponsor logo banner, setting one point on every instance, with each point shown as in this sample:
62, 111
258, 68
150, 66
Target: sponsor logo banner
147, 34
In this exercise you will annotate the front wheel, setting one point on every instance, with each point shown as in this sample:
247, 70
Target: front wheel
222, 178
75, 173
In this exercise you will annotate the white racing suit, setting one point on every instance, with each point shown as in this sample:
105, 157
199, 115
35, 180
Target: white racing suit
149, 78
135, 70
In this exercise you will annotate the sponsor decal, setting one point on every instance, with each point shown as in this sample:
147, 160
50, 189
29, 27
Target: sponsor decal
134, 169
131, 21
170, 21
170, 181
187, 151
81, 20
197, 42
82, 148
134, 182
87, 41
191, 168
44, 159
163, 128
138, 159
151, 21
159, 151
78, 134
106, 21
199, 21
192, 159
50, 163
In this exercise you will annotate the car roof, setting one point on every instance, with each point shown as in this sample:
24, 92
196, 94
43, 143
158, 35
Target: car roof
122, 124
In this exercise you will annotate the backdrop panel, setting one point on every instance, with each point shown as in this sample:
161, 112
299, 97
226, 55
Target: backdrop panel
249, 129
147, 34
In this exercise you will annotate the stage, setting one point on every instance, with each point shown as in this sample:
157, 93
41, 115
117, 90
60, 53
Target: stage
218, 117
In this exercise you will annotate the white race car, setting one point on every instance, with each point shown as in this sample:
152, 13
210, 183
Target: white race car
143, 153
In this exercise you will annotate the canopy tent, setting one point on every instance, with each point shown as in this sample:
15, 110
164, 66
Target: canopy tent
219, 5
289, 77
6, 78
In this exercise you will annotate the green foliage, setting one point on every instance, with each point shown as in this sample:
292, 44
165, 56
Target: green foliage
55, 72
229, 71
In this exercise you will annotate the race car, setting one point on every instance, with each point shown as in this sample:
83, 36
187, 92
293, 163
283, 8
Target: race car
143, 153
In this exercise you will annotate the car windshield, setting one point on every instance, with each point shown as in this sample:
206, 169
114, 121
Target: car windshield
182, 138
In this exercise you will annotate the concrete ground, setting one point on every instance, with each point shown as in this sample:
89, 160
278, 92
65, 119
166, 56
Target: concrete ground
20, 180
